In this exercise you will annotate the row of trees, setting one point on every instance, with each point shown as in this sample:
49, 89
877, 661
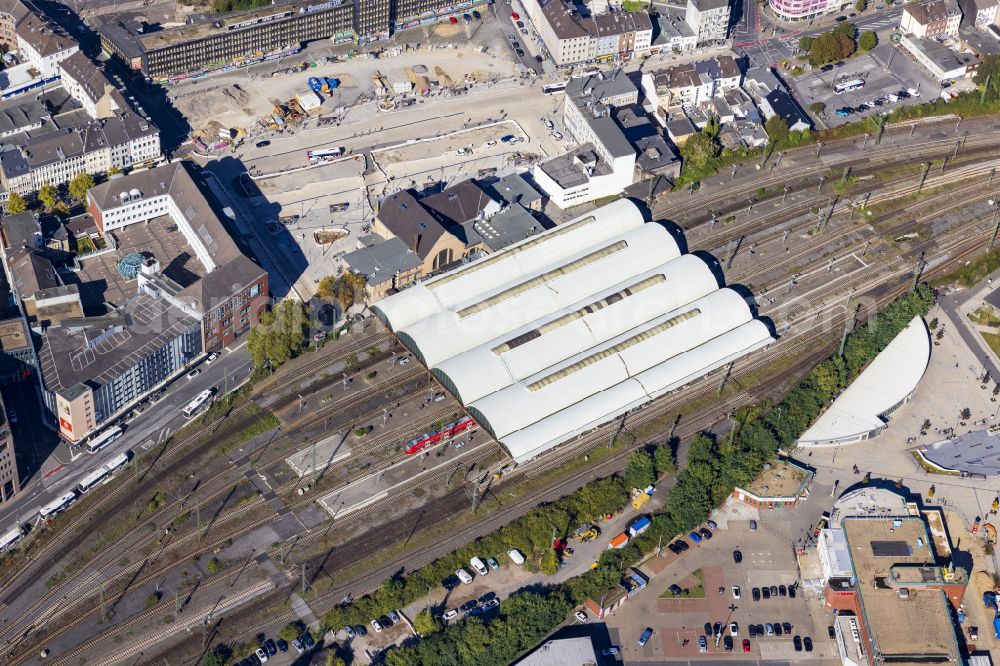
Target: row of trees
48, 195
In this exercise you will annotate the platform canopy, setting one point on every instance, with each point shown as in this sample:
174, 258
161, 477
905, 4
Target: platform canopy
864, 407
574, 327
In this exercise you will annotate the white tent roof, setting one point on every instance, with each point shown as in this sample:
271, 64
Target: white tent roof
884, 384
481, 370
576, 277
529, 257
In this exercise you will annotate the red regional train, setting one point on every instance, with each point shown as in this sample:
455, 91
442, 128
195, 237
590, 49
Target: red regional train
435, 437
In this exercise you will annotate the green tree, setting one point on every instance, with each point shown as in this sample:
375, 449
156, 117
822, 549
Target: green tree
712, 127
987, 77
550, 562
847, 29
15, 204
426, 623
639, 470
664, 460
777, 130
334, 659
867, 41
280, 334
861, 5
805, 43
817, 107
699, 150
80, 184
113, 171
825, 48
48, 195
292, 630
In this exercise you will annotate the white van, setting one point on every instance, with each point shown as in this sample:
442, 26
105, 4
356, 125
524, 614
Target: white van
464, 576
479, 566
516, 556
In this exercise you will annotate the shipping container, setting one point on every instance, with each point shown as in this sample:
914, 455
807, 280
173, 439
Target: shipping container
619, 541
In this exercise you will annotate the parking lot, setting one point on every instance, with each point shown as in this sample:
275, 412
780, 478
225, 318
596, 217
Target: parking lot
885, 70
766, 558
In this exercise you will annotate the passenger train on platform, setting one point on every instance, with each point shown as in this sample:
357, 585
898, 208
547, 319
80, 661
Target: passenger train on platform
435, 437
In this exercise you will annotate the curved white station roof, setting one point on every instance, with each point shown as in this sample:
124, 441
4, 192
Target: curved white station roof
528, 349
569, 329
526, 258
577, 277
887, 382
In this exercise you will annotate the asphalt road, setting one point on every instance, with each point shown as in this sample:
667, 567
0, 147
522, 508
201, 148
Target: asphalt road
64, 468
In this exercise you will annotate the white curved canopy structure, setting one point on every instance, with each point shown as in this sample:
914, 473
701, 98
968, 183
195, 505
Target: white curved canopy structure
569, 329
863, 409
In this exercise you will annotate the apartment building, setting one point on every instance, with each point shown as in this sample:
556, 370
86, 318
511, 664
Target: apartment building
43, 44
10, 479
688, 84
931, 19
573, 35
11, 13
979, 13
709, 19
799, 10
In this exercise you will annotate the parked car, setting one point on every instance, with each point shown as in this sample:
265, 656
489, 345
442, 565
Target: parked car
717, 629
807, 643
737, 556
349, 630
212, 357
727, 643
752, 630
768, 630
675, 590
450, 613
394, 616
708, 628
734, 629
844, 112
777, 628
377, 626
261, 655
476, 15
694, 536
263, 144
711, 524
797, 643
774, 590
493, 564
736, 591
282, 645
492, 603
787, 626
832, 632
612, 651
791, 591
194, 373
646, 635
580, 615
469, 605
746, 644
360, 630
702, 644
705, 533
766, 593
520, 24
674, 548
782, 591
298, 646
753, 525
548, 124
755, 594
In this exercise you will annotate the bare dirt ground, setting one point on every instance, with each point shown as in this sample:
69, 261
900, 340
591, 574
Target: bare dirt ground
476, 138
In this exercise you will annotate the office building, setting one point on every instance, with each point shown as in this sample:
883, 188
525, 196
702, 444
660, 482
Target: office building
208, 44
170, 286
10, 479
892, 580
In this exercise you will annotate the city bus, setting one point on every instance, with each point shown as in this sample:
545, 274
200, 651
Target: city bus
553, 88
325, 154
196, 403
91, 480
102, 440
57, 505
10, 538
118, 462
848, 86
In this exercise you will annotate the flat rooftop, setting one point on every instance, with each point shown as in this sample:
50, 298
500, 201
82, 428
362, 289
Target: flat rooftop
568, 169
976, 452
784, 479
910, 630
13, 334
100, 282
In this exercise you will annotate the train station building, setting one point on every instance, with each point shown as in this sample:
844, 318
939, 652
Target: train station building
569, 329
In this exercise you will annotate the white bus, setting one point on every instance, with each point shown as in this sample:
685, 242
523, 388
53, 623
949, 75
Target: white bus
196, 403
102, 440
553, 88
57, 505
848, 86
92, 479
117, 462
10, 538
325, 154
